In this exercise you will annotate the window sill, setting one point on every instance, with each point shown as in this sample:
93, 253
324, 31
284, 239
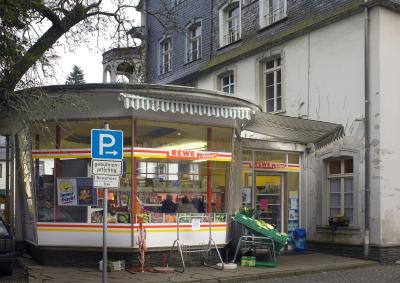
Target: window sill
191, 62
339, 230
164, 74
277, 112
261, 29
230, 44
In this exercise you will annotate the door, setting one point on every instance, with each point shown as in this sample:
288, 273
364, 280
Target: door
269, 195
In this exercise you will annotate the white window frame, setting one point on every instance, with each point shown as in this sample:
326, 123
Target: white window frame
342, 176
231, 82
277, 68
165, 64
193, 39
269, 16
229, 35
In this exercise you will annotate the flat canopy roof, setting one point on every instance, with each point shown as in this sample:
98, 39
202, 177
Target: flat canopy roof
290, 129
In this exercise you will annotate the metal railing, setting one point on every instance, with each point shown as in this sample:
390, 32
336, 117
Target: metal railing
232, 36
201, 247
275, 15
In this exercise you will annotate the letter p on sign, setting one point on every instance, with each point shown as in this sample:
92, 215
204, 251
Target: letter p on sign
107, 144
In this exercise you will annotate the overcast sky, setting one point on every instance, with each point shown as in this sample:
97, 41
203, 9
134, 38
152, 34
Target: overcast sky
88, 60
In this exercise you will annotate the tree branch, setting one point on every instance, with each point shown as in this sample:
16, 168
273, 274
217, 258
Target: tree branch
46, 12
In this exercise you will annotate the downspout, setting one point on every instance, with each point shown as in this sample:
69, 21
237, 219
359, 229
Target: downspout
211, 29
367, 132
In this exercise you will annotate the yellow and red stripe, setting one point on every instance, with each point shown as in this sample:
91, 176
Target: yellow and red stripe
137, 152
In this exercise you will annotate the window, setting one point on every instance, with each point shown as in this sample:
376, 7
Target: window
340, 188
1, 170
272, 11
227, 83
273, 85
194, 42
165, 56
229, 17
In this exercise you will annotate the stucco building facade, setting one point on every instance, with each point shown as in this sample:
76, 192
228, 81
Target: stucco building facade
331, 61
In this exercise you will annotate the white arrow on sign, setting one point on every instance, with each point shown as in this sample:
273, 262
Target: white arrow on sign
112, 152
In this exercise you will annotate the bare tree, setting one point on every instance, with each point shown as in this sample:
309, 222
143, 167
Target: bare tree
29, 31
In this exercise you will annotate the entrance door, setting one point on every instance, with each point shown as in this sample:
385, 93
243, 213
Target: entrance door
269, 195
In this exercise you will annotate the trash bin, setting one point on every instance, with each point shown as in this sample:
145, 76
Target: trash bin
300, 239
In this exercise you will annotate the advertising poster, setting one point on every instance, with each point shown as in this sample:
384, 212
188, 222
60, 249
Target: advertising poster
86, 192
76, 191
67, 191
246, 195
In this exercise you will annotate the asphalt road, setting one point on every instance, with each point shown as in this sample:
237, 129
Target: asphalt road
19, 276
374, 274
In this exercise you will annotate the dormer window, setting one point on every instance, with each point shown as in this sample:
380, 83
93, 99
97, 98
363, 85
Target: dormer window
272, 11
165, 56
194, 42
230, 19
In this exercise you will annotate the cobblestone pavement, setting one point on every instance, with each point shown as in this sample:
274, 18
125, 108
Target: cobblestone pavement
19, 276
287, 266
372, 274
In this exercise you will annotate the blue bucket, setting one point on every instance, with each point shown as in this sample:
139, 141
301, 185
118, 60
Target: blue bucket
300, 238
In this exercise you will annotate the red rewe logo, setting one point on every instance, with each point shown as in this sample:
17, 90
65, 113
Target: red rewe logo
182, 154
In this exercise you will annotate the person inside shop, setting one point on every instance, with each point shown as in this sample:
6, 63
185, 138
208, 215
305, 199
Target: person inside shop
168, 205
186, 207
199, 204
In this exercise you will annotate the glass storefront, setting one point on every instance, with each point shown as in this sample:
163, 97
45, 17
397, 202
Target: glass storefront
274, 193
168, 168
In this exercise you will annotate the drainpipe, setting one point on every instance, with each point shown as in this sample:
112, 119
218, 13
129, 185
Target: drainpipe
211, 29
367, 133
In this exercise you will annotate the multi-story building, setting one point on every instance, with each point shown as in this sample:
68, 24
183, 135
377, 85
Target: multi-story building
332, 61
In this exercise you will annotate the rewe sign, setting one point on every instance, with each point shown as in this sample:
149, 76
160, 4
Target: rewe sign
191, 154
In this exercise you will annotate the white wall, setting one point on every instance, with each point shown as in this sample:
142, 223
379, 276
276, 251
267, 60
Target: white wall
323, 79
389, 146
330, 59
374, 86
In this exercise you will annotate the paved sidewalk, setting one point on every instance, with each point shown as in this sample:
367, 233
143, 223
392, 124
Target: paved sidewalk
287, 266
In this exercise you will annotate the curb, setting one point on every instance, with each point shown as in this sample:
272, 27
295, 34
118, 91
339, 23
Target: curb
29, 266
288, 273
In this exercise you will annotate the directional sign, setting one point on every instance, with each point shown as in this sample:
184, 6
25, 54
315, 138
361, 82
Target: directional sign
103, 181
106, 167
107, 144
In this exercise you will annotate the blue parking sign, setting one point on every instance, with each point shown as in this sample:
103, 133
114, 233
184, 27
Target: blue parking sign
107, 144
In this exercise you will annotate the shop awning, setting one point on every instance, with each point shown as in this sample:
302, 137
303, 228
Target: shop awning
138, 102
290, 129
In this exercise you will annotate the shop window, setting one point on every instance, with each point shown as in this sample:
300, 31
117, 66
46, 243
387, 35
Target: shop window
272, 11
158, 178
165, 56
341, 188
230, 23
273, 85
193, 44
227, 82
